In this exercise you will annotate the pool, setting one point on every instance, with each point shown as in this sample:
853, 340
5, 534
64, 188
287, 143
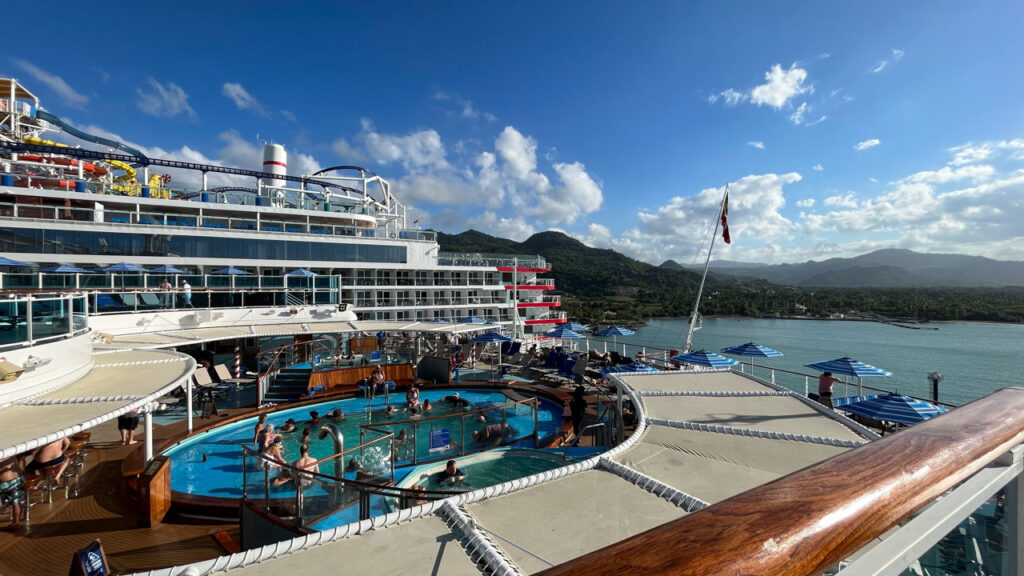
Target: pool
210, 463
482, 470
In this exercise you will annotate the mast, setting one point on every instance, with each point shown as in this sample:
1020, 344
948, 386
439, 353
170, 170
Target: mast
707, 263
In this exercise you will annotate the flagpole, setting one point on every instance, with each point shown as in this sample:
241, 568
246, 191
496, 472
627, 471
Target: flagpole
707, 264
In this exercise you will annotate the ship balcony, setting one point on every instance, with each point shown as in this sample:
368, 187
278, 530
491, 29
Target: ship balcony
548, 318
541, 302
535, 284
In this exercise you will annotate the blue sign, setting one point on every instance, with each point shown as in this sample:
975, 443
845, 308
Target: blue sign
440, 440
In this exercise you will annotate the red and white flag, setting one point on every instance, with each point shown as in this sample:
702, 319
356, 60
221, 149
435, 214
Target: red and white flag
725, 221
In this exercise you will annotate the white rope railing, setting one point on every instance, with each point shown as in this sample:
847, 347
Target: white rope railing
713, 393
654, 486
752, 433
479, 549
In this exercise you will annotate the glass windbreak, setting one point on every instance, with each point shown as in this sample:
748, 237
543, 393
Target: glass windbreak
979, 545
13, 322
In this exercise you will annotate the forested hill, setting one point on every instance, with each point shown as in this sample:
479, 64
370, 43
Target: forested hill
584, 271
597, 282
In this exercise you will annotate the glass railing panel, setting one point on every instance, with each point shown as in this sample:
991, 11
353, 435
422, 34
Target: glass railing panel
13, 327
20, 281
217, 282
246, 281
272, 281
978, 545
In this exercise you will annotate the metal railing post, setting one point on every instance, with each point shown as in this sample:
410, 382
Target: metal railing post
245, 483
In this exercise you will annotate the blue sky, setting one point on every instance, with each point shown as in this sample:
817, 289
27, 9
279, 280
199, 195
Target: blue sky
842, 127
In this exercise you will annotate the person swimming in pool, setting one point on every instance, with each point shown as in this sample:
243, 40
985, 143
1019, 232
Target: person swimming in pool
451, 474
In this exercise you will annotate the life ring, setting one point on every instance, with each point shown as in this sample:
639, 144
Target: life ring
393, 235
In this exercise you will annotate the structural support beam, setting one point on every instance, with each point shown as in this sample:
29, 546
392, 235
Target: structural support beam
188, 403
149, 434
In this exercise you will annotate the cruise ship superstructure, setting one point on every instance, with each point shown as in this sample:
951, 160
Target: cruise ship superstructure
721, 472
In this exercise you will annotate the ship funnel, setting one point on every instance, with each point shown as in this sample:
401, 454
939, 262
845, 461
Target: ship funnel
275, 161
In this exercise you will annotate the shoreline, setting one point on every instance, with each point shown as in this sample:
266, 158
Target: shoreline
920, 324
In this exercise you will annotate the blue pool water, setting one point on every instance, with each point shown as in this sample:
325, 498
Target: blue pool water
210, 463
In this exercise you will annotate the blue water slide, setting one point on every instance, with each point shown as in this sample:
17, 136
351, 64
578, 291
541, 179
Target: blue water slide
44, 115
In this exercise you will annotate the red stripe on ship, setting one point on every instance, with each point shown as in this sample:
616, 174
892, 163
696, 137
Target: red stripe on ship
521, 269
538, 304
545, 321
274, 163
532, 286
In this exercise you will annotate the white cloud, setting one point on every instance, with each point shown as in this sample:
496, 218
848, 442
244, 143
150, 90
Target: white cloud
467, 110
165, 101
348, 153
242, 99
895, 57
968, 154
873, 180
867, 144
416, 151
845, 201
756, 144
781, 85
515, 228
289, 115
69, 95
805, 203
730, 97
817, 167
797, 117
977, 173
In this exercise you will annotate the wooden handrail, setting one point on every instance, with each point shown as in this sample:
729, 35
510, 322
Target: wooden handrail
805, 522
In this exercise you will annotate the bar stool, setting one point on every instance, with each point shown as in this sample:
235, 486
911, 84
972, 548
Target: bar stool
48, 481
84, 438
75, 462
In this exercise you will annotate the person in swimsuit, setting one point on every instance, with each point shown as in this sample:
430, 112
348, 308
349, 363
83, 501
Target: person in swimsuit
11, 482
126, 425
49, 455
451, 473
260, 423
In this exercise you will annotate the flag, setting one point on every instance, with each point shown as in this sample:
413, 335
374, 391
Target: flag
725, 222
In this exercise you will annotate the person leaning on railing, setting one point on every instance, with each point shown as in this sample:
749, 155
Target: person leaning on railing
825, 383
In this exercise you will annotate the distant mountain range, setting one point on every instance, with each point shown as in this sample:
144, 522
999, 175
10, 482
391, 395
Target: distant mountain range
892, 268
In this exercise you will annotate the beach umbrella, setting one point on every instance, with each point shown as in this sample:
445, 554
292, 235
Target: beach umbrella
704, 358
65, 269
577, 327
300, 272
614, 332
631, 367
751, 349
492, 337
471, 320
850, 367
167, 270
894, 407
229, 271
14, 263
562, 332
122, 267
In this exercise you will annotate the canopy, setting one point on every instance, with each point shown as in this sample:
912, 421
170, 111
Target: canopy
491, 337
562, 331
704, 358
229, 271
168, 270
614, 331
122, 267
631, 367
850, 367
300, 272
751, 349
894, 407
13, 263
65, 269
577, 327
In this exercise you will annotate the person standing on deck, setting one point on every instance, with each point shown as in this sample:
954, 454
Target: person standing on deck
825, 382
186, 294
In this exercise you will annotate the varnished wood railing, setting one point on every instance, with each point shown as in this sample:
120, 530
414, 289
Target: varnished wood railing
805, 522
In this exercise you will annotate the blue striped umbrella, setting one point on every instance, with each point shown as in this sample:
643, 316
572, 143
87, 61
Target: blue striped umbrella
850, 367
168, 270
491, 337
123, 267
631, 367
751, 349
14, 263
614, 331
229, 271
577, 327
300, 272
65, 269
894, 407
562, 332
704, 358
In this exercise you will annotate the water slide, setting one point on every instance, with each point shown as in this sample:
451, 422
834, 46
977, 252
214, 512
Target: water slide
44, 115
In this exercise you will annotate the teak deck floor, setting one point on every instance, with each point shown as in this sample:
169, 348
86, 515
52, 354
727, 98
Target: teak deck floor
105, 509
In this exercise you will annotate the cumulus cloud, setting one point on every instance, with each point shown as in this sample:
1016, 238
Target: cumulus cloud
242, 99
466, 107
515, 228
817, 167
163, 100
347, 152
67, 94
977, 173
805, 203
867, 144
416, 151
781, 85
756, 144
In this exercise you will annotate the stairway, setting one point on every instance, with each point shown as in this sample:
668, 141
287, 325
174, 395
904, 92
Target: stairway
290, 384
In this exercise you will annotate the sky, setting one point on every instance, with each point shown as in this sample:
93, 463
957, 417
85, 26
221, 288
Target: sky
840, 127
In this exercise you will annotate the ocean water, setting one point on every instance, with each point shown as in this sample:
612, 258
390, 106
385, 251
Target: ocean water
974, 359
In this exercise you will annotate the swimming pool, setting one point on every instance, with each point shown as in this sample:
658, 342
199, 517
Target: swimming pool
482, 470
210, 463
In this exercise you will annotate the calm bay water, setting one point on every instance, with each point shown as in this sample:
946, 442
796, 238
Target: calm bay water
974, 359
